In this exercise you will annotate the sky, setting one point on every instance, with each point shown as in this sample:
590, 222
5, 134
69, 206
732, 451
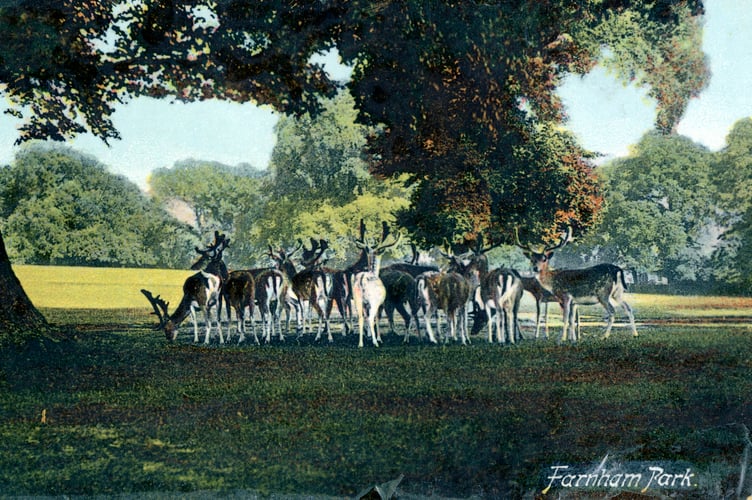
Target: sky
607, 116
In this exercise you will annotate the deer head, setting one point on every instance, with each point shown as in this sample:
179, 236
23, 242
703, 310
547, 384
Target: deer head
312, 257
212, 254
541, 256
373, 249
160, 310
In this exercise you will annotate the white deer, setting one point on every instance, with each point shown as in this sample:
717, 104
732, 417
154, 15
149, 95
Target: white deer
368, 290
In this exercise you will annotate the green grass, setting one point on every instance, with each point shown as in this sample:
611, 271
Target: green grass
127, 413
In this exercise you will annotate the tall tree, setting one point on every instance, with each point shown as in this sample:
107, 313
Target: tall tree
462, 89
661, 205
59, 206
467, 95
733, 177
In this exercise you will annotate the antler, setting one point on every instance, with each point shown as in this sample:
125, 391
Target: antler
525, 248
543, 248
385, 232
160, 308
562, 241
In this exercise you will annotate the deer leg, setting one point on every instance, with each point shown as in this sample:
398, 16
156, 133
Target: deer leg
195, 325
630, 315
427, 318
611, 316
566, 311
537, 318
207, 318
545, 321
372, 324
361, 319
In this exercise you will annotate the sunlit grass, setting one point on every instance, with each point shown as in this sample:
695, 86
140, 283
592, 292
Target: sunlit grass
98, 288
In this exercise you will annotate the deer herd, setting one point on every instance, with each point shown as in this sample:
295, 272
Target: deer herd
365, 289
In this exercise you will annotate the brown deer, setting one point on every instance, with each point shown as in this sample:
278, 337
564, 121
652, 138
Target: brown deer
368, 291
500, 291
239, 292
310, 285
496, 293
531, 285
447, 291
200, 291
399, 281
603, 284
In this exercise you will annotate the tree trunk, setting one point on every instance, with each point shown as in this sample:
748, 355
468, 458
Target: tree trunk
19, 319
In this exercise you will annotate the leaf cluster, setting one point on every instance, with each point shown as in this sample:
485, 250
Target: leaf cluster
61, 207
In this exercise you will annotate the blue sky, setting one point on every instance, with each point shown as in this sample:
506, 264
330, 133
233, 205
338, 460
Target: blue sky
607, 116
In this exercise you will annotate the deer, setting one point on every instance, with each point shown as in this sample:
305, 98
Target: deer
500, 290
603, 284
541, 296
496, 291
239, 292
200, 291
399, 281
368, 291
448, 291
311, 285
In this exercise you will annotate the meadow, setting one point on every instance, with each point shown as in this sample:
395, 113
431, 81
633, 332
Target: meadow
116, 410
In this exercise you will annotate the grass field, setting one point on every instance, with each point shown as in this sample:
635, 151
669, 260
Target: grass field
119, 411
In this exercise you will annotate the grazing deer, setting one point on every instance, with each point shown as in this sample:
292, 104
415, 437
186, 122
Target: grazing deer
603, 284
200, 291
498, 291
368, 291
541, 296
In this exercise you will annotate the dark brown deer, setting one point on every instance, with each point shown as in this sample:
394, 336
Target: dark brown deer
368, 292
399, 281
239, 292
200, 292
603, 284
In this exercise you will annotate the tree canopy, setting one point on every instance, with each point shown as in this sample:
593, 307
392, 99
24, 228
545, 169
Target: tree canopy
661, 203
61, 207
465, 92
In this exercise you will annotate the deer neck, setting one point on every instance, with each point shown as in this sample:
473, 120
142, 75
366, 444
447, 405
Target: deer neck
545, 277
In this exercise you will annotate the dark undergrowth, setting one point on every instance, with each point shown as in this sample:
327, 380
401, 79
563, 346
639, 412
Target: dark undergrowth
114, 409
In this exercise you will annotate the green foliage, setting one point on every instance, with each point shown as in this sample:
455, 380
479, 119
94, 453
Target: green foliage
222, 198
320, 185
322, 157
661, 206
457, 90
60, 207
733, 175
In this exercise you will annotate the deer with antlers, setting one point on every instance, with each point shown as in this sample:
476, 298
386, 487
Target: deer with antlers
200, 292
603, 284
310, 285
368, 291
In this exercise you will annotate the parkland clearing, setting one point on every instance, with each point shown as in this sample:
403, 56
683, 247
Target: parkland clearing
113, 408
